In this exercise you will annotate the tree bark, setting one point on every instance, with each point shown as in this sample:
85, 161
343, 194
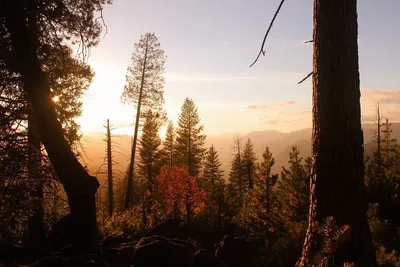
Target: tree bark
337, 183
129, 189
36, 222
78, 184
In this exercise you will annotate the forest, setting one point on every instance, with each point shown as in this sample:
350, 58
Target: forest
174, 205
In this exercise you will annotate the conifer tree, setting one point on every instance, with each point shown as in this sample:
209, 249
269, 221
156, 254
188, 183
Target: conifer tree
266, 181
237, 184
189, 138
293, 190
214, 182
149, 166
144, 89
249, 163
388, 147
168, 150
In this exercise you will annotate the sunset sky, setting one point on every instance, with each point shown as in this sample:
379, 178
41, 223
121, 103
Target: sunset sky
210, 45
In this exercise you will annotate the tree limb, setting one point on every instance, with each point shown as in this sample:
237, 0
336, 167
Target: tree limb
266, 34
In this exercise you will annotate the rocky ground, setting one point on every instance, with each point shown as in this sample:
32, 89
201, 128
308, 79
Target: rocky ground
166, 245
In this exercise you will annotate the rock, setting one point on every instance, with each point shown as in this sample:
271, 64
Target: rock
115, 239
170, 228
158, 251
236, 252
125, 253
20, 254
52, 262
205, 258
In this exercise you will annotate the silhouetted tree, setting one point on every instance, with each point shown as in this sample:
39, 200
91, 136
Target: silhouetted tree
24, 59
214, 183
168, 150
249, 163
237, 185
145, 89
110, 172
189, 138
149, 163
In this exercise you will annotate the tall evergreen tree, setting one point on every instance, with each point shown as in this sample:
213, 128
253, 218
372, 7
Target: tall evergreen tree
189, 138
213, 177
266, 181
145, 89
249, 163
388, 147
168, 150
149, 166
237, 185
293, 190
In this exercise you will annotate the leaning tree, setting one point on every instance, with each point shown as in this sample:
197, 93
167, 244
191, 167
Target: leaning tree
26, 23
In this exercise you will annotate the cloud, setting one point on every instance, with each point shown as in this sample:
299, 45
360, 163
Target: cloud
381, 96
281, 122
287, 103
388, 100
269, 106
256, 107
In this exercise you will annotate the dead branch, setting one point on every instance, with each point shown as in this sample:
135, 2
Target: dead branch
266, 34
308, 76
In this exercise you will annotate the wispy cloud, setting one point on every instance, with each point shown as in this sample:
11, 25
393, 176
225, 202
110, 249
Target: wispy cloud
270, 106
282, 122
381, 96
287, 103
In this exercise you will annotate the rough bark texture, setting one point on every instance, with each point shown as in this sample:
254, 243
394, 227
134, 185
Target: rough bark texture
78, 184
337, 187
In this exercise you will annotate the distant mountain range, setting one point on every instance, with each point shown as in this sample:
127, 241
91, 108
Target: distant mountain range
279, 144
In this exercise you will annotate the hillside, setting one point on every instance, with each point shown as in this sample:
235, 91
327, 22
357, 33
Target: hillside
279, 143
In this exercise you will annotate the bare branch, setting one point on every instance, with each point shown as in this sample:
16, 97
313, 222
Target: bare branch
309, 41
308, 76
266, 34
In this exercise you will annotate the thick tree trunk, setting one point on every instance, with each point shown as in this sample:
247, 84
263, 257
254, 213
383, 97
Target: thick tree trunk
337, 185
129, 189
36, 230
78, 184
36, 222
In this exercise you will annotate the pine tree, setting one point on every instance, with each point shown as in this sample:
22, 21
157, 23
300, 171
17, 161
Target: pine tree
293, 190
190, 140
388, 147
259, 211
145, 89
214, 183
237, 184
266, 181
168, 150
249, 163
149, 166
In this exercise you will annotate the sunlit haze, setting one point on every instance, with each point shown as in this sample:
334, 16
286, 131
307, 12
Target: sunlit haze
210, 45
